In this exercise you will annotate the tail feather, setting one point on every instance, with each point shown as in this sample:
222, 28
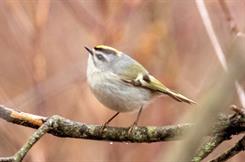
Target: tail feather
155, 85
179, 97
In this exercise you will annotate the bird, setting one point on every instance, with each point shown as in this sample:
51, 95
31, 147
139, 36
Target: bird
122, 84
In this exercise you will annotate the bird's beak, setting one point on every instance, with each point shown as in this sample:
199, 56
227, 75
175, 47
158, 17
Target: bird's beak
89, 50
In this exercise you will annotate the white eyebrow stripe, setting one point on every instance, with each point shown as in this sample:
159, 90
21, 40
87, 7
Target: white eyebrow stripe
139, 77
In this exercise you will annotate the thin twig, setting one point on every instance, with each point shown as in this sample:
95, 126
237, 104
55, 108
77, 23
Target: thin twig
228, 16
208, 147
217, 47
19, 156
223, 133
34, 138
239, 146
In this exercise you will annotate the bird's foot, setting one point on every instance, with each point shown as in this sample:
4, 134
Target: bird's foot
103, 128
131, 128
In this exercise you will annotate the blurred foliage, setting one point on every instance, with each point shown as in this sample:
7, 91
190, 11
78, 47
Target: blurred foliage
43, 66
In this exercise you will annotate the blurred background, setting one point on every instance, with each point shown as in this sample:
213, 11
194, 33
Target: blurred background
43, 67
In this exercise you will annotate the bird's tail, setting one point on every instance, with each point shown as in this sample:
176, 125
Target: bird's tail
178, 97
156, 85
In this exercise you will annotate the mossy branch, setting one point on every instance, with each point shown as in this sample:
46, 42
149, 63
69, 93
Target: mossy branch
223, 130
73, 129
239, 146
56, 125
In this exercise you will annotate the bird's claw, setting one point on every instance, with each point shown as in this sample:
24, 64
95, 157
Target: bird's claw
131, 128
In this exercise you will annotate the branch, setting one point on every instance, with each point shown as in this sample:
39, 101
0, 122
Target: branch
239, 146
217, 47
228, 16
223, 129
207, 148
72, 129
235, 124
48, 125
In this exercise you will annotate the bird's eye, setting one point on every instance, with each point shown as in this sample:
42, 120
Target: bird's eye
100, 57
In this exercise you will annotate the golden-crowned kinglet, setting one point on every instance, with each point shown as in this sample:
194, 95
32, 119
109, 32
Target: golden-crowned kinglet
121, 83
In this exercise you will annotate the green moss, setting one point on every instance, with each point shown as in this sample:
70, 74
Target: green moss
151, 130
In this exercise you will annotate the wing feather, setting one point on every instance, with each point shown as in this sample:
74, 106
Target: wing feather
135, 74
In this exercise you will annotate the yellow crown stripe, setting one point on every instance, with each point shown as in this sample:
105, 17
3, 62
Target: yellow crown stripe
108, 48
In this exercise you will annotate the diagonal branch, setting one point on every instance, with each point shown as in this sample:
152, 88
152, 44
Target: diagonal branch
223, 133
19, 156
239, 146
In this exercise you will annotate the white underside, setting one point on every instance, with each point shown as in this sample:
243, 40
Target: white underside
115, 93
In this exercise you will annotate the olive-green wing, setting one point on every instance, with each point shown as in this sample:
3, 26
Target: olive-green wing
145, 80
135, 74
131, 72
156, 85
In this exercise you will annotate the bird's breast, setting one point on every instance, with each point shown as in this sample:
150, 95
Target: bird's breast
116, 94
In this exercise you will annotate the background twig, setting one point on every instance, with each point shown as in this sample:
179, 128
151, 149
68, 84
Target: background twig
239, 146
221, 135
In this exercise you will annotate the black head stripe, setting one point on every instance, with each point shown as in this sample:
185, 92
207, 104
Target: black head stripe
105, 50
